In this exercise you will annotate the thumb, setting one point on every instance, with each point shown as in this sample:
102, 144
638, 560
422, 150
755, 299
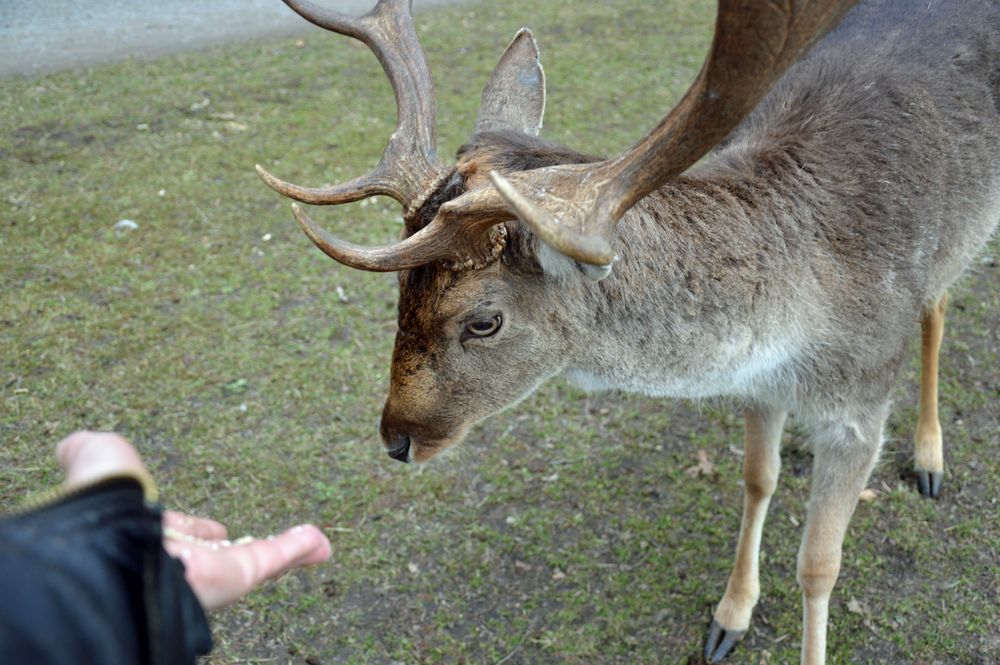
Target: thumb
89, 456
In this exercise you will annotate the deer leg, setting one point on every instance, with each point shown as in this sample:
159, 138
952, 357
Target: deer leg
761, 463
843, 460
929, 456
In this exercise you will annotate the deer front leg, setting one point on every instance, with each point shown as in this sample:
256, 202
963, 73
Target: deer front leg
761, 463
843, 460
929, 458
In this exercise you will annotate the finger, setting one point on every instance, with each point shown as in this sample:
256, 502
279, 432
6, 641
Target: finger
198, 527
315, 546
222, 576
88, 456
261, 560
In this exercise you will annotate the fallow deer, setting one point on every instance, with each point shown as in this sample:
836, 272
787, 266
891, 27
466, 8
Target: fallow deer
786, 269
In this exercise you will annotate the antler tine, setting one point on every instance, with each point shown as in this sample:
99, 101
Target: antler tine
409, 163
329, 19
754, 43
353, 190
544, 224
376, 259
452, 235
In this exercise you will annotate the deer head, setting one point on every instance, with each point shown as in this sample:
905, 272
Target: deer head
497, 246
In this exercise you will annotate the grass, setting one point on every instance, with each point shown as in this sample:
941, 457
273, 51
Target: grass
565, 530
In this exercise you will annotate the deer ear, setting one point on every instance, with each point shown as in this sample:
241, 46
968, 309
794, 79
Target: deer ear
514, 97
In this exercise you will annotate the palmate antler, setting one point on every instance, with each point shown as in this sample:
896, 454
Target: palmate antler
409, 162
573, 208
409, 169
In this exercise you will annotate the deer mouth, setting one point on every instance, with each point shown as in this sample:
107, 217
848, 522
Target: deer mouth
407, 450
421, 450
410, 440
415, 448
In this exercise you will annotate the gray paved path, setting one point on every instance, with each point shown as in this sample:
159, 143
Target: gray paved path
38, 36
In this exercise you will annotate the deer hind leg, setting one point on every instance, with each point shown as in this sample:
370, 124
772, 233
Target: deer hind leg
761, 462
844, 456
929, 455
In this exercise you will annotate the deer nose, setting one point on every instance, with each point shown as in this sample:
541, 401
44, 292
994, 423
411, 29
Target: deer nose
394, 435
399, 449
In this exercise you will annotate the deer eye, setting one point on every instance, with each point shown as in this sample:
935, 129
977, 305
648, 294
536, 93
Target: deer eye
484, 328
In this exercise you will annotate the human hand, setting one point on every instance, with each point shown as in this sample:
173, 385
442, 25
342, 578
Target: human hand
218, 571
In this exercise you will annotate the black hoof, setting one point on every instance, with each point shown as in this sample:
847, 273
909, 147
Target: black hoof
929, 483
720, 642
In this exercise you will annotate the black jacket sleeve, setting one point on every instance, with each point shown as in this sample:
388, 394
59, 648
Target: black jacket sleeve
85, 580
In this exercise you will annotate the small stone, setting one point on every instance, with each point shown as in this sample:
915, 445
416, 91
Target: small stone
855, 606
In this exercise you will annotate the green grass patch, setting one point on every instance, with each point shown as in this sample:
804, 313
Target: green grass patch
564, 530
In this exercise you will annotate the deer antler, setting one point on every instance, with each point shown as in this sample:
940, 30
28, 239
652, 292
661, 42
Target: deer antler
575, 208
409, 169
452, 235
572, 207
409, 163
